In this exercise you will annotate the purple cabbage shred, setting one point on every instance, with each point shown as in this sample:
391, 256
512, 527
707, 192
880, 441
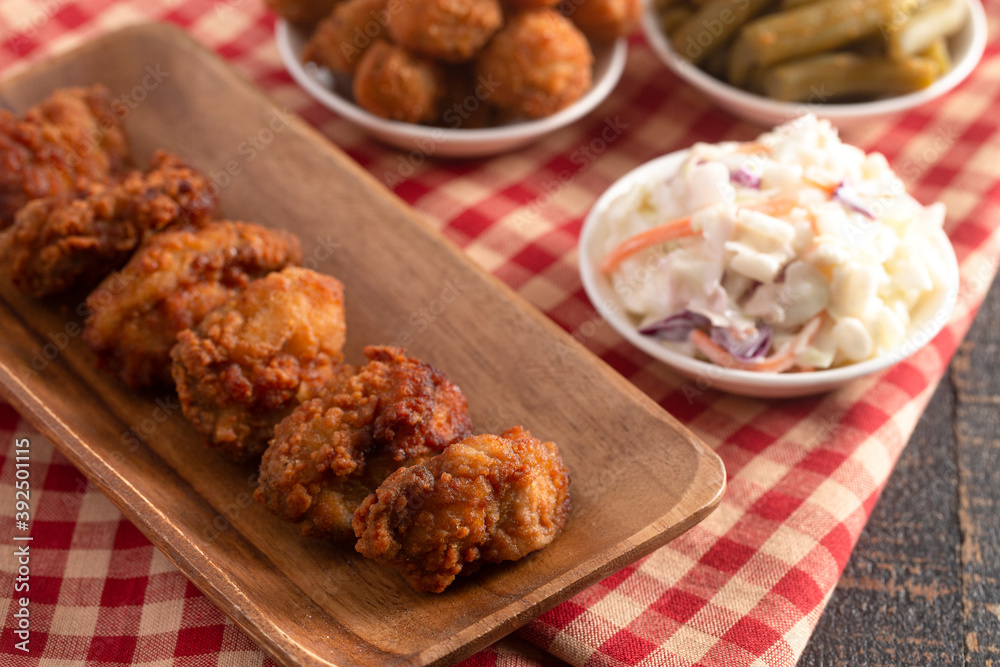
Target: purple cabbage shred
753, 345
745, 177
849, 198
676, 328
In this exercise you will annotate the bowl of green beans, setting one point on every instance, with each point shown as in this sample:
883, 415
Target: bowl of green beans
844, 60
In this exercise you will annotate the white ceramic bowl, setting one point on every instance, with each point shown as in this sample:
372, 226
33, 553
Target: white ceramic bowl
334, 92
966, 48
927, 321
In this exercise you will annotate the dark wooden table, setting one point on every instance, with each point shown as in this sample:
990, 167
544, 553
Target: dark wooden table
922, 586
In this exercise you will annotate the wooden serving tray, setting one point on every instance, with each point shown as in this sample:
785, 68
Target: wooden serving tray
639, 478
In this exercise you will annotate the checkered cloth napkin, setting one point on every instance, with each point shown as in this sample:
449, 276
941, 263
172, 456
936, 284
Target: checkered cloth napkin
744, 587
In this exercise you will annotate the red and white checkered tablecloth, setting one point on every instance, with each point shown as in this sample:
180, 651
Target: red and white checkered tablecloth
744, 587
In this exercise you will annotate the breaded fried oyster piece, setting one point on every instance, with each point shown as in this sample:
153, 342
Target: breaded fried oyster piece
485, 499
57, 147
393, 83
334, 450
447, 30
537, 4
249, 363
170, 284
540, 63
606, 19
57, 244
343, 37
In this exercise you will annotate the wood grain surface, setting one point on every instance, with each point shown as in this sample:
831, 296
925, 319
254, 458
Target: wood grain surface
922, 586
639, 477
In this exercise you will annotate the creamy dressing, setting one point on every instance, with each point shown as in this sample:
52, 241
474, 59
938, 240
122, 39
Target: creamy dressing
795, 242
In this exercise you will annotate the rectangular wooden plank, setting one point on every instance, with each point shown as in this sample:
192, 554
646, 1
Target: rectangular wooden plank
639, 477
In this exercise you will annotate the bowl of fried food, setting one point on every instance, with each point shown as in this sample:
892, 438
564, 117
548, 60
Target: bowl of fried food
844, 60
458, 79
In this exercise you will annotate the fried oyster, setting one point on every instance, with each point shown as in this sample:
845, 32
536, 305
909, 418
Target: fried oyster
58, 243
334, 450
58, 147
250, 362
485, 499
169, 285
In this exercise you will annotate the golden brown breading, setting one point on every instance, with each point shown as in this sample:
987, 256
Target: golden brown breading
249, 363
170, 193
486, 499
532, 4
301, 11
605, 20
61, 144
393, 83
448, 30
57, 244
170, 284
332, 451
343, 37
540, 61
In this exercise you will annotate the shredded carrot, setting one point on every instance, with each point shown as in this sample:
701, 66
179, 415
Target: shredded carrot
828, 188
774, 207
681, 228
751, 147
781, 206
668, 231
775, 363
780, 361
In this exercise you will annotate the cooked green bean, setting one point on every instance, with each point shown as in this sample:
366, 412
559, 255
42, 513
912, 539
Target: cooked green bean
671, 18
791, 4
835, 76
712, 26
904, 10
740, 62
937, 18
938, 52
813, 28
872, 45
816, 50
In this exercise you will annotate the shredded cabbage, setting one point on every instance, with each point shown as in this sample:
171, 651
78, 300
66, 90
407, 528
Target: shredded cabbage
792, 234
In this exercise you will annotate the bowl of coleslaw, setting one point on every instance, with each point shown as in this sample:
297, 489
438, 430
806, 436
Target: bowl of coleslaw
784, 266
